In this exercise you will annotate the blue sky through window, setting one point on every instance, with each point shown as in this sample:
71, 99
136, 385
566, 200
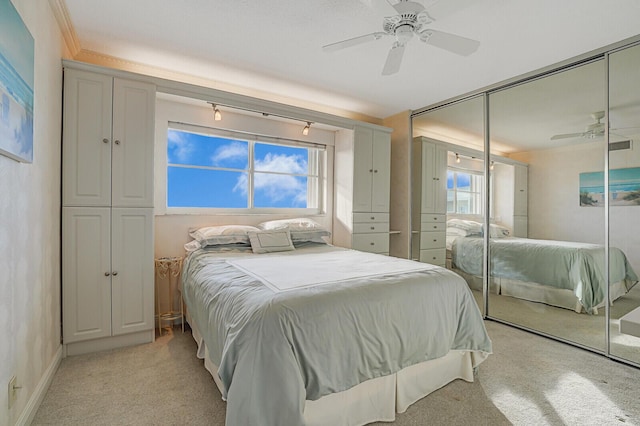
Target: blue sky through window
210, 171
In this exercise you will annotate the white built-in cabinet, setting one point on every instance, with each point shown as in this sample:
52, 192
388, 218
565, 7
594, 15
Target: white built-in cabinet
520, 203
362, 189
107, 196
429, 198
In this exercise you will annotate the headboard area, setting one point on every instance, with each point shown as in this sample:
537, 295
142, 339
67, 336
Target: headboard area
172, 231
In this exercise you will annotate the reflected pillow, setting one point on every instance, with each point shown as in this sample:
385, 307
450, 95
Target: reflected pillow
271, 241
498, 231
468, 226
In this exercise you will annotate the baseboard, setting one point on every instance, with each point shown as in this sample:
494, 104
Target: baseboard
37, 396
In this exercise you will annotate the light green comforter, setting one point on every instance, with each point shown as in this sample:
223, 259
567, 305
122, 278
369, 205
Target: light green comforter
276, 350
578, 267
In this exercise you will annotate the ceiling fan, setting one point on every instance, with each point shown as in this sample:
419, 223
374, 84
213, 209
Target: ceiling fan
593, 130
412, 19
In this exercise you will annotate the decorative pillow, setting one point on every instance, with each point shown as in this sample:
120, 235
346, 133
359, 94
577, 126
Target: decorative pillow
224, 234
469, 226
302, 229
498, 231
271, 241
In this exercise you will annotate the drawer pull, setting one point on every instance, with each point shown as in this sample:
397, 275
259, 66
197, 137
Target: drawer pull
434, 240
106, 274
435, 226
373, 228
373, 217
105, 140
373, 244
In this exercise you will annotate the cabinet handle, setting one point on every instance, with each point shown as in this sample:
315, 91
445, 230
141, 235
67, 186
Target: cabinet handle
106, 274
105, 140
370, 170
114, 273
435, 240
375, 171
117, 142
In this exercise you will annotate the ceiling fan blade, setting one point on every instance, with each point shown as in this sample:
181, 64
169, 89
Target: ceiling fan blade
567, 135
352, 42
451, 42
394, 59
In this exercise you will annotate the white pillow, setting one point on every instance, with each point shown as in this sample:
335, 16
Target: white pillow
456, 232
302, 229
271, 241
224, 234
471, 227
498, 231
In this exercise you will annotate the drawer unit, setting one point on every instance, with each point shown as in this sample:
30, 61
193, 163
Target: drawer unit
371, 227
433, 256
433, 217
432, 240
370, 217
370, 242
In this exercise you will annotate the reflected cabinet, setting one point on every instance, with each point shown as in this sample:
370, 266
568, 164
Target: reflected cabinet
548, 167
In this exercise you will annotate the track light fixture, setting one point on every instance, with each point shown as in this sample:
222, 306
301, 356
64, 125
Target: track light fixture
457, 158
491, 166
217, 116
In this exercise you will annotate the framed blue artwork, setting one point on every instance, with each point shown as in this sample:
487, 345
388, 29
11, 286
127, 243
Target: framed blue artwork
624, 188
16, 85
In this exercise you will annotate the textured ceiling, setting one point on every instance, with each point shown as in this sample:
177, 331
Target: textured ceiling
275, 46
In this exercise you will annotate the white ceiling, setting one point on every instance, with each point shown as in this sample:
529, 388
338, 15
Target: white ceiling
275, 46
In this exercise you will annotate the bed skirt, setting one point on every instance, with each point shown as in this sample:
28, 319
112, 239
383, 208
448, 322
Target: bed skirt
376, 399
535, 292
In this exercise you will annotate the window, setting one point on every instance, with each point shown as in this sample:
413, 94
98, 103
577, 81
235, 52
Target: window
221, 170
464, 192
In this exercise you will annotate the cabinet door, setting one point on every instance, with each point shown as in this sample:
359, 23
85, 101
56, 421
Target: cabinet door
362, 169
86, 141
381, 182
86, 280
434, 178
440, 173
133, 273
133, 136
520, 206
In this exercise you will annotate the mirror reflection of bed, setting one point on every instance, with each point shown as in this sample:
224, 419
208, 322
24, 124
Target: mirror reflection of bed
547, 257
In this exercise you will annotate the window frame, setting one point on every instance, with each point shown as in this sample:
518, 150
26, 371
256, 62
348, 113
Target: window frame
479, 193
317, 160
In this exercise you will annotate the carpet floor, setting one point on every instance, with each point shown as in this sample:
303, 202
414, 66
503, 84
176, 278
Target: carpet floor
529, 380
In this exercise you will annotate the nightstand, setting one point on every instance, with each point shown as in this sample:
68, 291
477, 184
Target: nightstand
168, 283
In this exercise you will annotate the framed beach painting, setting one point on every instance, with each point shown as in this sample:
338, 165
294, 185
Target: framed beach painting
16, 85
624, 188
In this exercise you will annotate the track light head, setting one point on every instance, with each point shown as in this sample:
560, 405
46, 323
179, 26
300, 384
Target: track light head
305, 130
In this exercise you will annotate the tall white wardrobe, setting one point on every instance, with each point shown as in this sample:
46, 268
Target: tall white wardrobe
107, 214
362, 181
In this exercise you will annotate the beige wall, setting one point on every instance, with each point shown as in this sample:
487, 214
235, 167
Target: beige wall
30, 232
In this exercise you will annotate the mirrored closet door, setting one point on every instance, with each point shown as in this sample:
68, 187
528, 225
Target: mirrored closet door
448, 186
624, 203
548, 275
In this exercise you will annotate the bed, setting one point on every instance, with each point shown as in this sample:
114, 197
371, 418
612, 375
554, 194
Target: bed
559, 273
316, 334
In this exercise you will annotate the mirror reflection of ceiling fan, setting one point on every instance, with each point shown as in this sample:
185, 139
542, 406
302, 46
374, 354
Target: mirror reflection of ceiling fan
411, 18
593, 130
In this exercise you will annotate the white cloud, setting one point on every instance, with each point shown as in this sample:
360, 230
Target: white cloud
232, 151
279, 187
182, 146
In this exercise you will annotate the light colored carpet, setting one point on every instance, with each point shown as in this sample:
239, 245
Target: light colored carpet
529, 380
